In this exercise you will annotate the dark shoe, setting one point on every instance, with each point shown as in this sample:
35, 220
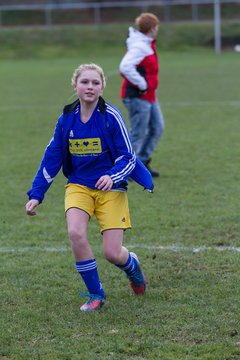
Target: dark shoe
152, 172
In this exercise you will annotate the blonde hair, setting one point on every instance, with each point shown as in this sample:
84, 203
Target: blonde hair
84, 67
145, 22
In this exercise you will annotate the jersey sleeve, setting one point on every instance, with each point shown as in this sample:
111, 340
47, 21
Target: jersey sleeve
49, 167
125, 158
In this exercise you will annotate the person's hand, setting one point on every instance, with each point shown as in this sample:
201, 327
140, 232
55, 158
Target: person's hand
30, 207
104, 183
142, 92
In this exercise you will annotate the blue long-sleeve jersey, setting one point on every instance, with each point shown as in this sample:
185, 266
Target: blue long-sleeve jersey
86, 151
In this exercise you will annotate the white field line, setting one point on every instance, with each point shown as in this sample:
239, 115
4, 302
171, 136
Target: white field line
174, 248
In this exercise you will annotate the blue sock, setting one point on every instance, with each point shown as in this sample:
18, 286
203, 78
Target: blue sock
130, 265
89, 273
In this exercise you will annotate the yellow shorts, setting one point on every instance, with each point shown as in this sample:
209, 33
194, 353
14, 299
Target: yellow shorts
110, 208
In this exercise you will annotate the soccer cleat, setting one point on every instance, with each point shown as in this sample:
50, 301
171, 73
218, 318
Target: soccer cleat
137, 279
94, 303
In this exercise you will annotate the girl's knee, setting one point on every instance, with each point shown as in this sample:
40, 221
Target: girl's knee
111, 256
76, 235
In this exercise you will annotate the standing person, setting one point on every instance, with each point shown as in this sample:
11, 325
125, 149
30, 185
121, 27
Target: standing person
92, 146
139, 68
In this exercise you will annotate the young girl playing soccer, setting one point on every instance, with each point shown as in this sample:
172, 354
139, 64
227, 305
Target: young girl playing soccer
92, 146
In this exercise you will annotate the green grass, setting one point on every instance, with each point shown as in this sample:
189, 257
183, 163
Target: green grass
47, 42
191, 308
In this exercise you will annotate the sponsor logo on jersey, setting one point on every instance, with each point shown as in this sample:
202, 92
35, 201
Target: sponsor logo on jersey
85, 146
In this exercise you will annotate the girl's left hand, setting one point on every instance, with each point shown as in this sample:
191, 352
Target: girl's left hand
104, 183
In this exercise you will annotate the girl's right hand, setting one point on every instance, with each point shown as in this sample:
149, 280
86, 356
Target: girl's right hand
30, 207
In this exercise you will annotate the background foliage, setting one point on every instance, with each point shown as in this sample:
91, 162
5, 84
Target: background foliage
67, 40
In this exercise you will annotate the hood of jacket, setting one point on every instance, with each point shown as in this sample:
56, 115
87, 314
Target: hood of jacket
136, 37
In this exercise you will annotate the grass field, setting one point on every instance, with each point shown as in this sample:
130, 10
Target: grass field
186, 234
